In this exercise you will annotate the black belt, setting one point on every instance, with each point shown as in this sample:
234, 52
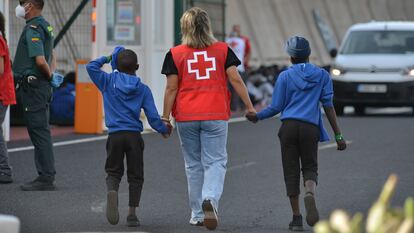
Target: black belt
29, 81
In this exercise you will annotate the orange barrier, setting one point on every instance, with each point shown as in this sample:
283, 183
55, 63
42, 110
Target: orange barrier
88, 103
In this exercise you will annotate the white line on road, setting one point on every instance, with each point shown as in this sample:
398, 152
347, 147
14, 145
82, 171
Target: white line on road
110, 232
93, 139
98, 206
331, 145
64, 143
237, 119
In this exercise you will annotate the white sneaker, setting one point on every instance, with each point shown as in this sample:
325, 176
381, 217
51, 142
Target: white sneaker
195, 222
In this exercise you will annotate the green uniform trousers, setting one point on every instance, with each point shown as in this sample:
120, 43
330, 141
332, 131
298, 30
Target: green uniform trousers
35, 102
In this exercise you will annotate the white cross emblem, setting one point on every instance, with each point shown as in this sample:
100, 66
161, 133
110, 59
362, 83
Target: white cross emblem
203, 65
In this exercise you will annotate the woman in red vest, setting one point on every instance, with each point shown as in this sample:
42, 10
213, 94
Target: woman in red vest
7, 97
197, 95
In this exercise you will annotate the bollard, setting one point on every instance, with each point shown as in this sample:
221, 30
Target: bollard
9, 224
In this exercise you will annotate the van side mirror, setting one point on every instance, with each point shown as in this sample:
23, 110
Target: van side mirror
333, 53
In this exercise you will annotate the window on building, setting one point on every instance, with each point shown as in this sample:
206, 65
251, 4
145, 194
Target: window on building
124, 23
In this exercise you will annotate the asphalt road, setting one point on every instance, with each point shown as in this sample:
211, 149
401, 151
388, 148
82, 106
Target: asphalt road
254, 198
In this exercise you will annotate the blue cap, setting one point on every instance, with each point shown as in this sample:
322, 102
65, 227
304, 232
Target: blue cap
297, 46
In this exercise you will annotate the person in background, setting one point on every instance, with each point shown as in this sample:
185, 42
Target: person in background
197, 95
7, 97
33, 71
298, 94
62, 108
248, 48
124, 96
238, 45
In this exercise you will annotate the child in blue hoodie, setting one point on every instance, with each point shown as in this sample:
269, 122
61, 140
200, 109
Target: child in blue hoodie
124, 95
297, 95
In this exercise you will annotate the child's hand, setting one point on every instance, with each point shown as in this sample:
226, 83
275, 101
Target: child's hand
341, 144
252, 116
109, 58
169, 127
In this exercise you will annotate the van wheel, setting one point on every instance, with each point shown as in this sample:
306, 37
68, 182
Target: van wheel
359, 110
339, 109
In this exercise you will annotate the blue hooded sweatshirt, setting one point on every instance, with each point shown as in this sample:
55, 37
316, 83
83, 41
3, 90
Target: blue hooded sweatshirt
124, 95
298, 93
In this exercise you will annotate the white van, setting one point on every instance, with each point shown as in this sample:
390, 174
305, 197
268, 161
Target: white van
375, 66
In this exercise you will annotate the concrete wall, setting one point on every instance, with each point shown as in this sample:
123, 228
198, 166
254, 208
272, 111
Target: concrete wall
269, 23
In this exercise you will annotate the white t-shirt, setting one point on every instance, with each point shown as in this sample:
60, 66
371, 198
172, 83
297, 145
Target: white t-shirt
238, 45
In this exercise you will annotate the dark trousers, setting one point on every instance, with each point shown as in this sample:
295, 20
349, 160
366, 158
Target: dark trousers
118, 145
299, 144
35, 102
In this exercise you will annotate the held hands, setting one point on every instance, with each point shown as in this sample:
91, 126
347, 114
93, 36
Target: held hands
169, 127
251, 115
56, 80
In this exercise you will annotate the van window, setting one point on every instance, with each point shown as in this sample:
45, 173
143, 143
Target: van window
379, 42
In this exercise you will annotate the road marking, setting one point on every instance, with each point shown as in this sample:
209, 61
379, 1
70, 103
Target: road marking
63, 143
94, 139
332, 145
237, 119
98, 206
110, 232
241, 166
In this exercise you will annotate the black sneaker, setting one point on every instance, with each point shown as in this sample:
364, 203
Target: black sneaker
133, 221
112, 213
296, 223
5, 179
210, 215
312, 214
38, 184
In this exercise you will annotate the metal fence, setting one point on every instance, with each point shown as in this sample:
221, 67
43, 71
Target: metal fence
76, 44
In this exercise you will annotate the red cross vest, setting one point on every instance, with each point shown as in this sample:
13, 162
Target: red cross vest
202, 90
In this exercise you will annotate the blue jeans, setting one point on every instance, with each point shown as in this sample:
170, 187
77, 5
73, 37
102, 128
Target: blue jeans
203, 145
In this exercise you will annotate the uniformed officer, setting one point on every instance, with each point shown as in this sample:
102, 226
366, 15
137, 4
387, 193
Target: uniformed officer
33, 71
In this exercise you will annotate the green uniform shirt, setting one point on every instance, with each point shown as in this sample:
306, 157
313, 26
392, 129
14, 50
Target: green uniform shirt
35, 40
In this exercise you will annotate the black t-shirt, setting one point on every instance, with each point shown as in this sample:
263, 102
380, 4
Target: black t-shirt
169, 66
